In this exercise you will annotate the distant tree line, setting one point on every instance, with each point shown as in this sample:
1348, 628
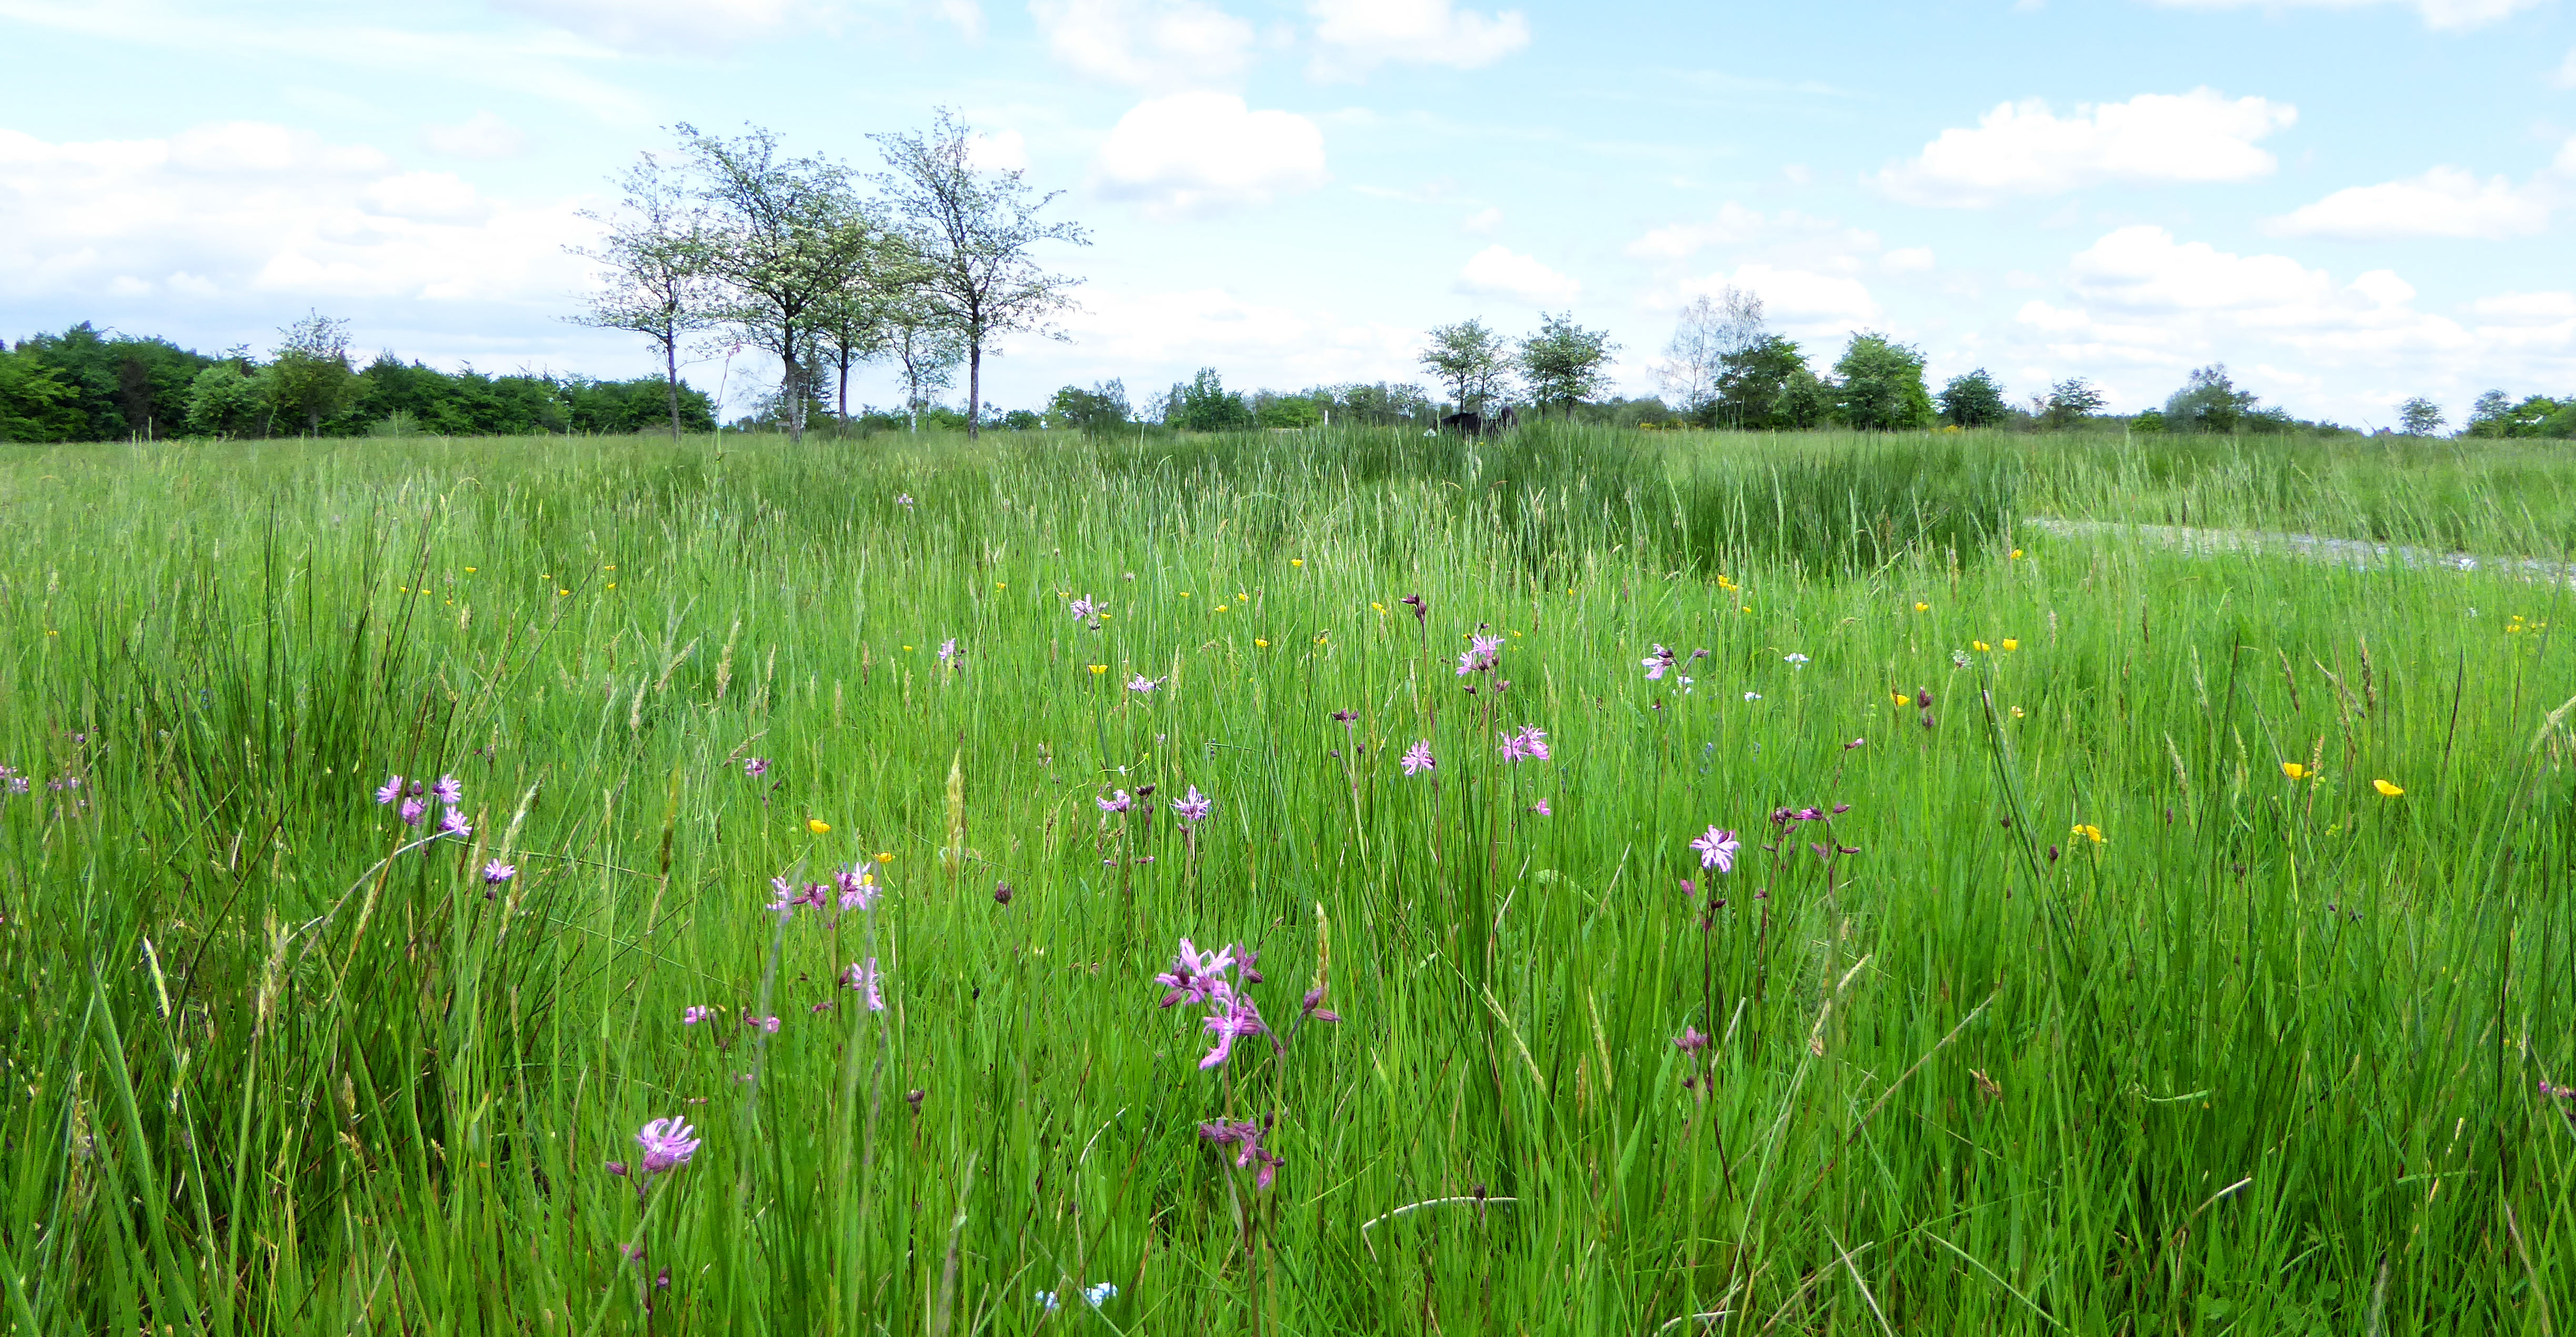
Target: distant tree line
85, 384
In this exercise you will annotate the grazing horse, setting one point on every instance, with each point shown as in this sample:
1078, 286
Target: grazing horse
1469, 424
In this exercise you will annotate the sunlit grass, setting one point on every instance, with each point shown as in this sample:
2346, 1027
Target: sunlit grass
2109, 989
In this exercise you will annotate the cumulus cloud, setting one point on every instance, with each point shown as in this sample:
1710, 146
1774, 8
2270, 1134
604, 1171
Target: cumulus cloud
2445, 15
1358, 35
2143, 306
663, 25
2026, 149
242, 211
1146, 43
481, 135
1200, 153
1907, 260
1499, 271
1006, 151
2444, 202
1803, 300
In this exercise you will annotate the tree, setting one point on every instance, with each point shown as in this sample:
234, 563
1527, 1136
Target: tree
782, 238
2069, 402
2419, 416
1471, 360
653, 268
1564, 364
36, 403
1092, 411
1203, 404
1753, 380
1882, 385
2208, 402
310, 376
1710, 331
1974, 399
974, 230
229, 398
925, 349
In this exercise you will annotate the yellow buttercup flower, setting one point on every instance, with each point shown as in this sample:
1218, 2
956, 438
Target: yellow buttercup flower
2387, 790
2089, 832
1185, 594
1899, 698
1378, 606
612, 584
469, 570
560, 593
818, 826
1979, 646
1098, 669
1922, 607
1260, 644
1220, 608
2016, 712
1296, 561
1001, 584
2293, 771
2016, 556
885, 856
907, 647
2011, 644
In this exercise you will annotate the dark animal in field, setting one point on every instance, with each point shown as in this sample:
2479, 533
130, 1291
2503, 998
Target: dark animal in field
1470, 424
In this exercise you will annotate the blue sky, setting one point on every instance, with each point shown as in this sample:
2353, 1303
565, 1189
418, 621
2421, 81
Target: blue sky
2347, 201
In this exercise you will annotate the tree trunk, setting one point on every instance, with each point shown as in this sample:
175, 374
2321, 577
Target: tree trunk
845, 388
671, 382
974, 387
791, 402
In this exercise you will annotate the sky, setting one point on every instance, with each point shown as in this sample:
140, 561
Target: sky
2348, 202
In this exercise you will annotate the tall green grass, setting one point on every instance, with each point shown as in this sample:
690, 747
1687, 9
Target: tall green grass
2264, 1058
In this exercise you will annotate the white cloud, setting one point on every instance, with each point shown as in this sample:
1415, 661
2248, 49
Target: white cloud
1007, 151
1198, 153
2566, 76
1813, 238
1150, 44
1907, 260
2444, 202
966, 16
481, 135
2143, 307
1359, 35
244, 211
1484, 222
1498, 271
663, 25
1148, 338
2446, 15
2026, 149
1808, 303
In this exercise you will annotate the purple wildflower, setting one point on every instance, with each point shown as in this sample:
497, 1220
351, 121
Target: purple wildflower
1542, 809
788, 897
769, 1024
1313, 1006
1857, 742
1691, 1040
1345, 718
867, 979
496, 872
1195, 976
1194, 806
1530, 744
859, 887
1480, 656
903, 499
411, 811
1083, 608
390, 790
448, 791
756, 767
948, 650
1116, 802
696, 1014
453, 824
1417, 758
668, 1144
1717, 849
1231, 1017
1141, 683
1658, 663
1246, 1138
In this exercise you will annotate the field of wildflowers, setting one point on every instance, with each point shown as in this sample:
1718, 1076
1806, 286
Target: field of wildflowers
1282, 883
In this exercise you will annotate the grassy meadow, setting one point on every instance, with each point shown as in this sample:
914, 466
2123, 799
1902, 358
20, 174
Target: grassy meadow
2078, 970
